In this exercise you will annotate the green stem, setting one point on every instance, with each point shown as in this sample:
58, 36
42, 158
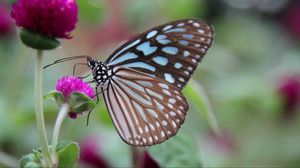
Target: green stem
209, 114
39, 108
61, 115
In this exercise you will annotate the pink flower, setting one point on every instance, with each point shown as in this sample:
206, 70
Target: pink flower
6, 23
90, 154
289, 89
223, 143
51, 18
148, 161
67, 85
291, 19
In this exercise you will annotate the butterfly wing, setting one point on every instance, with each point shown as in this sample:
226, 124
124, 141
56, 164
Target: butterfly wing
145, 109
170, 52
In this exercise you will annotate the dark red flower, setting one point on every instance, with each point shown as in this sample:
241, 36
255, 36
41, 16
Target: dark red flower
89, 153
6, 22
52, 18
291, 19
148, 161
289, 89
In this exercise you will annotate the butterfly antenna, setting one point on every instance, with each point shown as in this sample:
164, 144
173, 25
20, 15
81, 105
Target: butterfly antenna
67, 59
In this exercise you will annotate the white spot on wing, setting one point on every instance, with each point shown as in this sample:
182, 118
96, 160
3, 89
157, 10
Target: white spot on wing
201, 31
172, 100
153, 113
162, 133
164, 123
186, 53
163, 85
167, 92
140, 110
196, 24
172, 113
167, 27
180, 24
177, 65
174, 124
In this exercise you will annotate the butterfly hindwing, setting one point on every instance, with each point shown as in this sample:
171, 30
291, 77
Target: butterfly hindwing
170, 52
145, 109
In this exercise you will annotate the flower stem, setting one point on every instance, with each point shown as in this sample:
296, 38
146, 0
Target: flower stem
39, 108
61, 115
208, 111
136, 157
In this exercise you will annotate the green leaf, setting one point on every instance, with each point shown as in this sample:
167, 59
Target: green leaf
56, 96
31, 161
179, 151
195, 93
68, 154
38, 41
80, 102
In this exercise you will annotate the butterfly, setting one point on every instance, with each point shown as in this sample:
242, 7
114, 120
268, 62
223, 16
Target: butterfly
142, 80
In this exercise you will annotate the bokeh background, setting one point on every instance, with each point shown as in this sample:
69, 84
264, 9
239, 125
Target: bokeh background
244, 97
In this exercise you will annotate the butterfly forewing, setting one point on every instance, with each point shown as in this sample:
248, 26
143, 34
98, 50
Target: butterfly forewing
170, 52
145, 110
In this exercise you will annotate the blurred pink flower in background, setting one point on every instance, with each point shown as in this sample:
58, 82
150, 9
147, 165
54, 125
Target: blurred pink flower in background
292, 19
148, 161
6, 22
55, 19
114, 28
223, 143
289, 89
90, 155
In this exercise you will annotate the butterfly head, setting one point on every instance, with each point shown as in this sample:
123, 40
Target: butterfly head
92, 63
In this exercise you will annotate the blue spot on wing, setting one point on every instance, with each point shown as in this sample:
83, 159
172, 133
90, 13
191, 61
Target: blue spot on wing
160, 60
124, 57
140, 65
170, 50
175, 30
146, 48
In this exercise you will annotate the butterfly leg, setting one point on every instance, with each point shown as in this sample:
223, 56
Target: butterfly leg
89, 113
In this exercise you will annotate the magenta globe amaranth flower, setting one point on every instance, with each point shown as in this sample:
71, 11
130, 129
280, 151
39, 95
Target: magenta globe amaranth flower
67, 86
48, 18
289, 90
6, 22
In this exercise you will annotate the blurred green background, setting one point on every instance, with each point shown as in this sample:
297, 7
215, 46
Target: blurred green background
249, 81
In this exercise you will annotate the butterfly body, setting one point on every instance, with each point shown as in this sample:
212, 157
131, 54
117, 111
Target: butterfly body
142, 80
100, 71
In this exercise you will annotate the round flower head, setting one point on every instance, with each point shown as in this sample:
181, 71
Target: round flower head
6, 23
67, 85
51, 18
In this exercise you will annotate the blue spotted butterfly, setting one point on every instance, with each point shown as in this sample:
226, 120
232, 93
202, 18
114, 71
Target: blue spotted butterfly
141, 81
